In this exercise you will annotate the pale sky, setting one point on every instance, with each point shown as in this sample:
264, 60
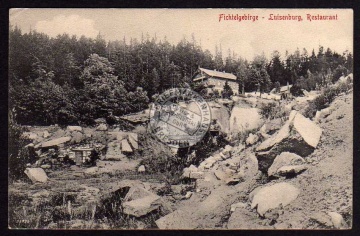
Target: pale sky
245, 38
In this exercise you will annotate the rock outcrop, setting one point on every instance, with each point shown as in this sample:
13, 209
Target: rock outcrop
270, 127
74, 128
252, 139
298, 135
271, 197
139, 202
36, 175
102, 127
283, 160
244, 119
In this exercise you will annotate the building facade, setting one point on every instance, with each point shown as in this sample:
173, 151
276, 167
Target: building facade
215, 80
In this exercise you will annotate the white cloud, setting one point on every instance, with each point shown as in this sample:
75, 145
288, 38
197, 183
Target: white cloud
72, 25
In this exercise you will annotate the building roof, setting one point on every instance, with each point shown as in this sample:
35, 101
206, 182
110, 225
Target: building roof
219, 74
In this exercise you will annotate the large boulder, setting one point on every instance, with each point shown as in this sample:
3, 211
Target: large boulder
252, 139
175, 220
46, 134
207, 163
77, 137
36, 175
221, 114
337, 220
271, 197
187, 171
141, 169
125, 146
270, 127
244, 119
30, 135
284, 159
55, 142
139, 202
248, 165
143, 206
298, 135
133, 140
322, 114
102, 127
122, 187
291, 170
113, 151
74, 128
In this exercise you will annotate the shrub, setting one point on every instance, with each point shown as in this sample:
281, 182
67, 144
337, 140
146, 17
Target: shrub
326, 97
19, 156
227, 91
272, 110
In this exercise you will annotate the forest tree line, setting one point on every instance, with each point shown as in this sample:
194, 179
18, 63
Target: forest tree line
70, 80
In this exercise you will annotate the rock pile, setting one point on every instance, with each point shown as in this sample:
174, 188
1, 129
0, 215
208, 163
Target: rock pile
298, 135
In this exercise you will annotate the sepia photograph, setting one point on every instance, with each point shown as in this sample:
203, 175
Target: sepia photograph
173, 119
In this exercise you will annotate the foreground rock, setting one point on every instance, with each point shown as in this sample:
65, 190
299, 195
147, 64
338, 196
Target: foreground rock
221, 115
289, 171
176, 220
243, 218
188, 170
36, 175
298, 135
55, 142
238, 205
337, 220
102, 127
139, 202
114, 151
252, 139
284, 159
208, 213
271, 197
143, 206
244, 119
74, 128
125, 146
141, 169
133, 140
270, 127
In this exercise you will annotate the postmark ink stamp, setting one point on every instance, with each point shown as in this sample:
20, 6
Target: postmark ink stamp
179, 117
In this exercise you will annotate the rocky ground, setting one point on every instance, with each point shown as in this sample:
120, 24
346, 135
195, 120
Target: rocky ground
226, 191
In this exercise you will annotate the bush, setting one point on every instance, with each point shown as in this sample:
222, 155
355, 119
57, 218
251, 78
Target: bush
272, 110
326, 97
19, 156
227, 91
296, 90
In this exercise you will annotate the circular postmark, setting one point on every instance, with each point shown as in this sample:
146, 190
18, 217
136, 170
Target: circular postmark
179, 117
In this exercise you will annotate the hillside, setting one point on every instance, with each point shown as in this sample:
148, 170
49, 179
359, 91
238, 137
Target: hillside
225, 190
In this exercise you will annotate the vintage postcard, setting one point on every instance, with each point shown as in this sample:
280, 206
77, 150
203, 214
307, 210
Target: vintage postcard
180, 119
